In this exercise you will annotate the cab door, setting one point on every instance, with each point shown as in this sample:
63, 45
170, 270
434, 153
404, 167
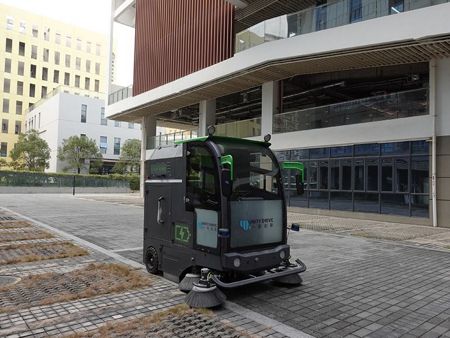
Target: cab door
202, 200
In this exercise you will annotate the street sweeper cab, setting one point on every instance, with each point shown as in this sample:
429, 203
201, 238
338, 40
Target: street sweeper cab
218, 203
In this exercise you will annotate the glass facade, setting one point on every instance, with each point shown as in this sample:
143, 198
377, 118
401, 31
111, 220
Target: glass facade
386, 178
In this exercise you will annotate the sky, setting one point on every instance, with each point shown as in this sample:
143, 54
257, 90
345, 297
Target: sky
92, 15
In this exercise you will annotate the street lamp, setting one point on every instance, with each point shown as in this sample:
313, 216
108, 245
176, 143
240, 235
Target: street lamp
77, 151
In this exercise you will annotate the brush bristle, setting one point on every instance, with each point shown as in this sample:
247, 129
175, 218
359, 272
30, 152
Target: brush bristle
293, 279
188, 282
205, 299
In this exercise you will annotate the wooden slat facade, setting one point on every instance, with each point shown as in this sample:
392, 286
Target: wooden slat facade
175, 38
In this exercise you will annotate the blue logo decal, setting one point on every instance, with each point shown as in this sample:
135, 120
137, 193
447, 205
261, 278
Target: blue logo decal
245, 224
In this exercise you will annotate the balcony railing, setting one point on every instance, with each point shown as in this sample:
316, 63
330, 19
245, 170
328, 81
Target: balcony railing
318, 18
165, 140
241, 129
120, 94
376, 108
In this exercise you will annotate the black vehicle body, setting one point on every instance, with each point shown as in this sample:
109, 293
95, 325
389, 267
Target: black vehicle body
202, 211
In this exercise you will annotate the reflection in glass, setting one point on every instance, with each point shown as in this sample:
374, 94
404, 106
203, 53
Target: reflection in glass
367, 202
395, 204
359, 175
341, 201
372, 175
401, 174
313, 175
386, 175
323, 174
334, 177
420, 175
346, 174
318, 199
420, 205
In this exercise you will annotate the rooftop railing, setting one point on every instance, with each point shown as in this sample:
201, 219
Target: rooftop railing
376, 108
327, 16
240, 129
120, 95
166, 140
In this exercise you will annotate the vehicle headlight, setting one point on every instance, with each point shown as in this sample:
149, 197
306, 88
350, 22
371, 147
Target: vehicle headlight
237, 262
282, 254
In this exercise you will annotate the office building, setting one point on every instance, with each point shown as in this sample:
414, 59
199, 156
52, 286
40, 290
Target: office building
355, 89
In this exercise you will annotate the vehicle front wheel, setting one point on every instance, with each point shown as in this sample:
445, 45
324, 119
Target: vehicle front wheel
151, 260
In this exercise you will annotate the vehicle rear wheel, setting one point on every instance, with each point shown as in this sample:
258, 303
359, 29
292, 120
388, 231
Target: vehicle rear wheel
151, 260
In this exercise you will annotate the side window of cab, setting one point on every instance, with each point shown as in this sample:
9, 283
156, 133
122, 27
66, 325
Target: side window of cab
202, 190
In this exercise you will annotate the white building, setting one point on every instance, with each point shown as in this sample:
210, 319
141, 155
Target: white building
358, 90
63, 115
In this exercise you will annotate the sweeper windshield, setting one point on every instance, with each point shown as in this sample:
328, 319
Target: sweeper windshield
256, 201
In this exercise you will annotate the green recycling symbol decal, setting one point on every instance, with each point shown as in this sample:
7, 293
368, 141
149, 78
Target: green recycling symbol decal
182, 233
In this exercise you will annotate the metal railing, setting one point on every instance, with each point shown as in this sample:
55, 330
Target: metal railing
318, 18
165, 140
376, 108
241, 129
120, 94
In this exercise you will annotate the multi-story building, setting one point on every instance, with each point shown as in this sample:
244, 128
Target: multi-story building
63, 114
38, 54
355, 89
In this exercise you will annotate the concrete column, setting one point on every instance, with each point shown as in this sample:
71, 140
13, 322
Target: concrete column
207, 116
270, 106
148, 129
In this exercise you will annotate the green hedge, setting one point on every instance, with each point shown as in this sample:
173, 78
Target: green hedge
40, 179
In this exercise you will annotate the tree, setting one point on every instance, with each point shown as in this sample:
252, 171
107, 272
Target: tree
3, 163
31, 152
130, 158
76, 149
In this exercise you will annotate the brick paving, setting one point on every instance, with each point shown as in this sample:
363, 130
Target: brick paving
22, 316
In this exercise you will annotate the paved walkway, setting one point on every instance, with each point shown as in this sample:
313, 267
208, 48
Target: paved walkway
354, 286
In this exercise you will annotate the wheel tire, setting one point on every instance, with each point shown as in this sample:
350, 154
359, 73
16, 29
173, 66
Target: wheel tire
151, 260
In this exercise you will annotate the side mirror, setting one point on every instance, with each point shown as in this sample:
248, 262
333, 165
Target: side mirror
299, 186
227, 183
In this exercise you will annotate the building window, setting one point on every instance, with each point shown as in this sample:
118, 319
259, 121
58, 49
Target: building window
78, 44
33, 71
68, 41
83, 113
45, 54
321, 17
20, 68
87, 83
18, 128
98, 48
56, 76
78, 63
387, 178
97, 86
97, 68
35, 31
66, 79
77, 81
9, 23
58, 38
45, 74
22, 48
43, 92
5, 106
103, 144
22, 27
6, 85
88, 66
19, 88
8, 47
355, 10
5, 126
34, 52
7, 65
67, 60
47, 34
116, 123
19, 107
88, 46
32, 90
57, 58
130, 125
103, 120
396, 6
116, 145
4, 149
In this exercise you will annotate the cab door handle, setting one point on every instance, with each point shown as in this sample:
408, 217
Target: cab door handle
159, 216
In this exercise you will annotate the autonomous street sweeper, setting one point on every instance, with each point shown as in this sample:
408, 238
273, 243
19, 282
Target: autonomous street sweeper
215, 216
